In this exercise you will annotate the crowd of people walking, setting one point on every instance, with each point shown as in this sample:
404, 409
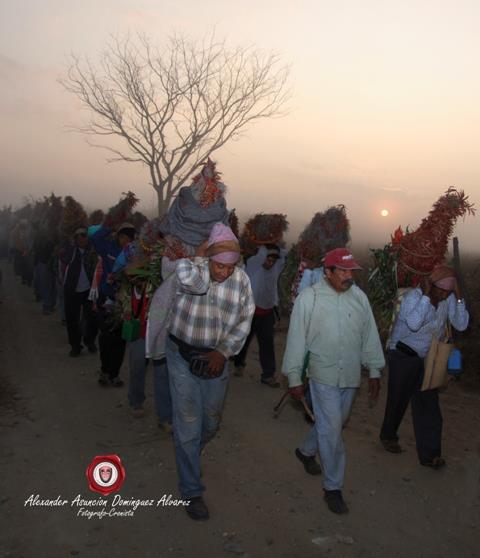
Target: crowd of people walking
205, 313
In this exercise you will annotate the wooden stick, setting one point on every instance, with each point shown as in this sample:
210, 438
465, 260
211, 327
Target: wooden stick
307, 409
278, 407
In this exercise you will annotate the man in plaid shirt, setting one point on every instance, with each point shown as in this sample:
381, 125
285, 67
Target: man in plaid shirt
210, 321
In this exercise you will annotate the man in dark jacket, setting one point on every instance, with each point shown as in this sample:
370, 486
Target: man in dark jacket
81, 260
110, 247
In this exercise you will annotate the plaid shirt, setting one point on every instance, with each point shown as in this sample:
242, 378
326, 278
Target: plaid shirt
211, 314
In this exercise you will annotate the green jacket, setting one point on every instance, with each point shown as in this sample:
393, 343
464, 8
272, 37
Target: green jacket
340, 334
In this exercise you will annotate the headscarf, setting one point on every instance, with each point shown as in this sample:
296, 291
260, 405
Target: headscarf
444, 277
223, 246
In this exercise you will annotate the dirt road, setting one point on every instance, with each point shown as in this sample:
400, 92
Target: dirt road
54, 419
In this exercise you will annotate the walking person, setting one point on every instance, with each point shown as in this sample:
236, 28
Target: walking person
110, 246
210, 321
263, 269
44, 278
423, 316
80, 261
332, 321
138, 362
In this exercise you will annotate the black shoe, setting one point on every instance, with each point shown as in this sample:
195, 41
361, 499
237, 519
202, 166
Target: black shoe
116, 382
197, 509
75, 352
92, 348
270, 382
104, 379
335, 501
392, 446
309, 463
435, 463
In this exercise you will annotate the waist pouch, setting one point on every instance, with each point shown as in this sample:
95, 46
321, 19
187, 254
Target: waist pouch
193, 355
405, 349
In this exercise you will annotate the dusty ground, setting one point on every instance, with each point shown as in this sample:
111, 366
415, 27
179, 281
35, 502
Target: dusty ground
54, 418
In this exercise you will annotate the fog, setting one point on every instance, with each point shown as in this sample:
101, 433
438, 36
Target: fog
384, 112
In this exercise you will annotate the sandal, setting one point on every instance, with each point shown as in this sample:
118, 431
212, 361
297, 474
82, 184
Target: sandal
435, 463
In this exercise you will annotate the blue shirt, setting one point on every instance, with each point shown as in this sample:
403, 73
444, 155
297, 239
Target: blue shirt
108, 250
418, 320
309, 278
264, 281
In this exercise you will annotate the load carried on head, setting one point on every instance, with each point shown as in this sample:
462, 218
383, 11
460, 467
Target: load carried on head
73, 217
412, 255
194, 212
263, 228
327, 230
186, 225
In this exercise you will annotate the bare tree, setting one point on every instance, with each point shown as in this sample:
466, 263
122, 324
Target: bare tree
173, 108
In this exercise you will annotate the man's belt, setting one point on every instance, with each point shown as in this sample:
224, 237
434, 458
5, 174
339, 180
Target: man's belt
405, 349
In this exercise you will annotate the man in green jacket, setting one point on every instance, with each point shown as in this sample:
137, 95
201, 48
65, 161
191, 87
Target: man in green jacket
333, 322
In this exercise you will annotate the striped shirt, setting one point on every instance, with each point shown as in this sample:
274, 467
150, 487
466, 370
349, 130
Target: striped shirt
211, 314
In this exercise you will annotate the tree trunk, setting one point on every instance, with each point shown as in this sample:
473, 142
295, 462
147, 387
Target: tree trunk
161, 203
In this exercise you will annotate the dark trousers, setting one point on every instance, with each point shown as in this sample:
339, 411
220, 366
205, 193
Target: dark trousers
80, 318
404, 382
110, 344
263, 328
26, 269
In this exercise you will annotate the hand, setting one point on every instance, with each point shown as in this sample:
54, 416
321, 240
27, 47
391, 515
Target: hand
296, 392
201, 249
426, 286
373, 388
216, 361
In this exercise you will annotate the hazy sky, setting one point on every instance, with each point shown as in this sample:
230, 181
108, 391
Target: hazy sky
385, 110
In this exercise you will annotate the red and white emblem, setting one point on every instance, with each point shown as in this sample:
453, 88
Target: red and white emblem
105, 474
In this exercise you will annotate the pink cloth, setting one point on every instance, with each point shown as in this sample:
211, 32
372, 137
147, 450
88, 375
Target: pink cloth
447, 284
221, 234
443, 277
226, 258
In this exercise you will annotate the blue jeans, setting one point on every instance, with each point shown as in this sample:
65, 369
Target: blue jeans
136, 387
331, 406
197, 409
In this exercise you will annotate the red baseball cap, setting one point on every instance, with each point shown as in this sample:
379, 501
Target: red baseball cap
341, 258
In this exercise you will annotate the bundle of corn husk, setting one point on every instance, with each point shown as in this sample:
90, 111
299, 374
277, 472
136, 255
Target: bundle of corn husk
194, 212
263, 228
233, 223
412, 255
420, 250
326, 231
206, 186
122, 211
138, 220
96, 217
73, 217
53, 216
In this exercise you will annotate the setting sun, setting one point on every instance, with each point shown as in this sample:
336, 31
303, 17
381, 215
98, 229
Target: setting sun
384, 213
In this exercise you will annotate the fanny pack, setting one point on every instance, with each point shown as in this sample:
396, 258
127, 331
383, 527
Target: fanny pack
198, 366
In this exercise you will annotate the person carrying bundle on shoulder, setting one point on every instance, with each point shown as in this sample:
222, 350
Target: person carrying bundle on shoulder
423, 316
209, 323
